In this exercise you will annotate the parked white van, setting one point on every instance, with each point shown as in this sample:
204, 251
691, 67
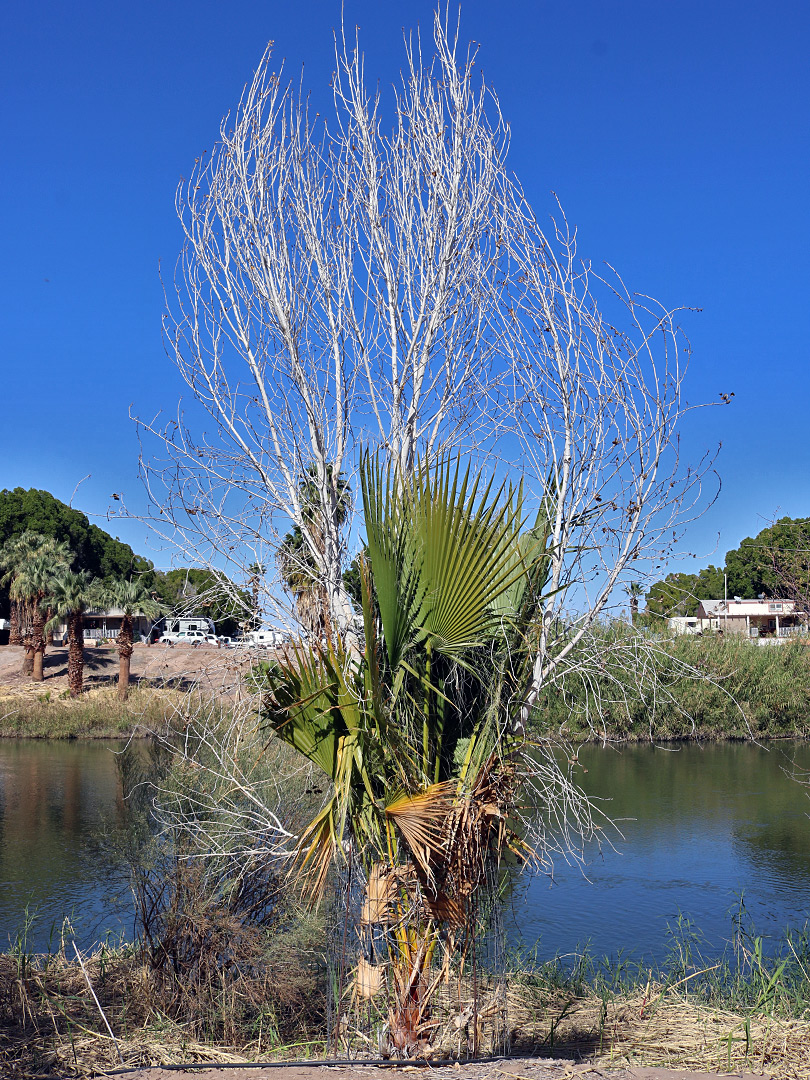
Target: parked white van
188, 623
269, 638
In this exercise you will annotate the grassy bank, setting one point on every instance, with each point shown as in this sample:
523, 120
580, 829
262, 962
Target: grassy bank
705, 687
97, 714
709, 688
746, 1012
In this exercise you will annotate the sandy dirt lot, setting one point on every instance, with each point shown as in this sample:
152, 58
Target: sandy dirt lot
152, 665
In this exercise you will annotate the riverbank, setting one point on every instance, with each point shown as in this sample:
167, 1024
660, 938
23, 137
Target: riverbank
714, 690
704, 688
51, 1022
160, 676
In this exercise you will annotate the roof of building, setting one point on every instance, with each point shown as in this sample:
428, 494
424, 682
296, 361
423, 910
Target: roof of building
741, 608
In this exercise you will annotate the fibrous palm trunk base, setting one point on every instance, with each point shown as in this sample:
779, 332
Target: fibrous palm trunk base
14, 635
124, 642
411, 985
38, 636
75, 654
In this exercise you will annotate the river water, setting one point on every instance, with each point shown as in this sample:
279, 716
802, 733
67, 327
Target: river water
700, 825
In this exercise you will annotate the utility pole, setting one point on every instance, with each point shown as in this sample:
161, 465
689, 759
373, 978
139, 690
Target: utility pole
725, 604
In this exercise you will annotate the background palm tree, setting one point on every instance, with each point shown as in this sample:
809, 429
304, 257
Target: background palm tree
14, 555
133, 598
296, 560
31, 584
257, 571
71, 594
634, 590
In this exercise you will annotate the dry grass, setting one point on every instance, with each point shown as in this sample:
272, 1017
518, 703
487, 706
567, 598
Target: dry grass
655, 1028
40, 713
49, 1021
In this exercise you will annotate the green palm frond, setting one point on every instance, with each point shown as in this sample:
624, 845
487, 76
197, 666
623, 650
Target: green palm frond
71, 593
442, 548
385, 507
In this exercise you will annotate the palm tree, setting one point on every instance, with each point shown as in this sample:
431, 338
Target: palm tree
257, 571
634, 590
296, 561
70, 596
32, 583
134, 599
417, 734
14, 556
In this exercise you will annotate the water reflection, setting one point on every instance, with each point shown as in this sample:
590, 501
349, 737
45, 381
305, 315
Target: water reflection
53, 796
700, 826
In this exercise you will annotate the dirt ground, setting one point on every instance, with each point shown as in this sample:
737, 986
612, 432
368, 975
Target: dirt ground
153, 665
519, 1069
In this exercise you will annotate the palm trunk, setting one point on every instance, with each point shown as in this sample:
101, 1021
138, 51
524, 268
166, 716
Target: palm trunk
75, 654
38, 640
14, 635
26, 637
49, 633
124, 642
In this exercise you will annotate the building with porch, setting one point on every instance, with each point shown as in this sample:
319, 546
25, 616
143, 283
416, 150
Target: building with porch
763, 618
105, 624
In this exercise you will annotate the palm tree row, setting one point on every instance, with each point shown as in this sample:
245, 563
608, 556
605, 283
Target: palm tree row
44, 592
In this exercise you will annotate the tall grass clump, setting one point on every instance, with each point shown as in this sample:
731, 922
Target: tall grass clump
709, 687
225, 945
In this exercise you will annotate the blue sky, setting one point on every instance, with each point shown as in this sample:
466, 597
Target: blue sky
675, 135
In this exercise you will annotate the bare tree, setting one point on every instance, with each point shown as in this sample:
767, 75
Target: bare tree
598, 375
339, 287
346, 287
342, 286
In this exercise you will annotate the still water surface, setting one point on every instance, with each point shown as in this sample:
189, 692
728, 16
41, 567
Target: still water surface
700, 826
54, 797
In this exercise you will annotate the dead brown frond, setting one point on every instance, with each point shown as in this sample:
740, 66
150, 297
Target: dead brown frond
421, 818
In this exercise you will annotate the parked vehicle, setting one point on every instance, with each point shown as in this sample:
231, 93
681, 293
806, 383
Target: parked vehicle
175, 625
269, 638
188, 637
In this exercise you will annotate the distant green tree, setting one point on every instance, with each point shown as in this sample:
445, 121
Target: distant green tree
775, 562
94, 550
789, 571
675, 595
710, 584
204, 592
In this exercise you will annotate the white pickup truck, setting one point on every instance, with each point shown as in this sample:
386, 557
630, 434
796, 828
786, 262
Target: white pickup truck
188, 637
